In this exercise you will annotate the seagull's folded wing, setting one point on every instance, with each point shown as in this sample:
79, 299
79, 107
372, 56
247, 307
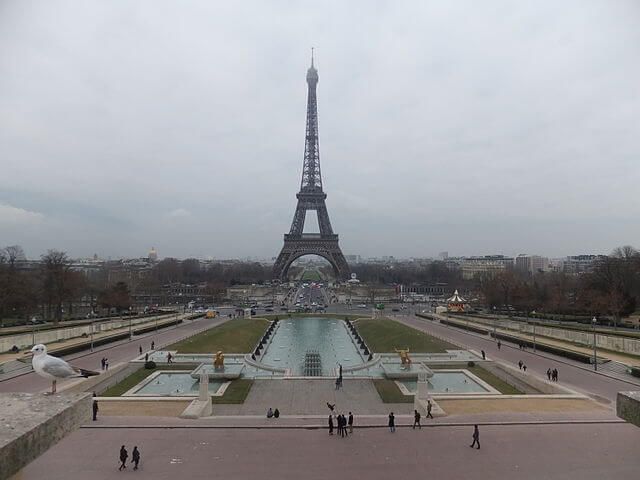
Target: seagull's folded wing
58, 368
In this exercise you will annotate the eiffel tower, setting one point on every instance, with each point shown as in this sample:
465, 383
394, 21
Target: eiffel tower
311, 197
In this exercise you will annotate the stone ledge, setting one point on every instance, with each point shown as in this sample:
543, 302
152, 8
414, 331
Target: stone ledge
32, 423
628, 407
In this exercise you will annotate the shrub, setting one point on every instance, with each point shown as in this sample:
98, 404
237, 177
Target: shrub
471, 363
635, 371
150, 365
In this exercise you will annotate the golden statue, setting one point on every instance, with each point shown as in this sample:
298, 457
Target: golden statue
404, 356
218, 362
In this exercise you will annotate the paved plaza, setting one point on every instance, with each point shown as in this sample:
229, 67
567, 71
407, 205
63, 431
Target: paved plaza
514, 451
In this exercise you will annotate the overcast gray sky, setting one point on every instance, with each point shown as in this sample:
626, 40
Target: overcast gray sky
473, 127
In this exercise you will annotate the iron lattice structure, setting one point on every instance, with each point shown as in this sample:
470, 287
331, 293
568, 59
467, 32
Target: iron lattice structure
311, 197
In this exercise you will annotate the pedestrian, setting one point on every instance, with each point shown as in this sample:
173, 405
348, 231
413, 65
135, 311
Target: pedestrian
429, 407
483, 355
554, 375
135, 457
524, 368
153, 345
330, 424
140, 349
102, 362
269, 413
95, 407
338, 383
549, 374
340, 425
106, 363
416, 419
520, 364
350, 422
340, 365
169, 357
476, 437
343, 422
499, 344
123, 457
392, 422
146, 357
276, 413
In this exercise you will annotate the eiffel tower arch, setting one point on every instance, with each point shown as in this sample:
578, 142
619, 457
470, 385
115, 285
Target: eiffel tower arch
311, 197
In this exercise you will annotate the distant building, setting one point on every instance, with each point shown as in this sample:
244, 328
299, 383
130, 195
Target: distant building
353, 258
153, 254
443, 256
489, 264
576, 264
532, 264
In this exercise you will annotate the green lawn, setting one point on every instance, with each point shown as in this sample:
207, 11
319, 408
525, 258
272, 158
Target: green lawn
236, 392
136, 377
384, 335
496, 382
311, 276
239, 335
390, 393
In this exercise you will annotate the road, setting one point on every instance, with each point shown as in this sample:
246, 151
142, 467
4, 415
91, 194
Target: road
116, 352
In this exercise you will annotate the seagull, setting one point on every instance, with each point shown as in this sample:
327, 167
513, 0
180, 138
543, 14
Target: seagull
54, 368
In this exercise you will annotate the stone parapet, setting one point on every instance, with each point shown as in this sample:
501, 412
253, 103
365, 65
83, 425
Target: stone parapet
628, 407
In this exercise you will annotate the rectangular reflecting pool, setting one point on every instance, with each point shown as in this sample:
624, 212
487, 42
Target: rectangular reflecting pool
326, 336
449, 382
174, 384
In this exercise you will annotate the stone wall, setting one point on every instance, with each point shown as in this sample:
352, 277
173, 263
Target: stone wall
24, 340
628, 407
33, 422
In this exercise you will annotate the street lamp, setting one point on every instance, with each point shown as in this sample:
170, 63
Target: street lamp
130, 331
594, 321
34, 320
92, 330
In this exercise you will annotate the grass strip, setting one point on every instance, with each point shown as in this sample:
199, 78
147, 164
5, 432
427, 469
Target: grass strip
236, 392
239, 335
384, 335
389, 391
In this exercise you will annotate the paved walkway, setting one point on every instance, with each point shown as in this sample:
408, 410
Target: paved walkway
116, 352
599, 387
310, 397
508, 451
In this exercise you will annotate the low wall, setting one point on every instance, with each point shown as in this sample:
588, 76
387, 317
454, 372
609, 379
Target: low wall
628, 407
32, 423
543, 386
24, 340
610, 342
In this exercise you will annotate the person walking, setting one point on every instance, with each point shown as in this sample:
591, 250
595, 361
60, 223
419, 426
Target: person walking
483, 355
520, 364
554, 375
123, 457
429, 407
102, 362
350, 422
140, 349
330, 424
476, 437
549, 374
106, 363
338, 383
153, 345
95, 407
146, 357
135, 457
499, 344
524, 368
392, 422
416, 419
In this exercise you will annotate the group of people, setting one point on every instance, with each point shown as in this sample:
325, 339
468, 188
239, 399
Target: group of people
135, 457
552, 374
522, 366
342, 423
273, 413
105, 363
417, 416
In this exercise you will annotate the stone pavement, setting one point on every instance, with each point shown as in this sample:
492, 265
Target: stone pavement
599, 451
310, 397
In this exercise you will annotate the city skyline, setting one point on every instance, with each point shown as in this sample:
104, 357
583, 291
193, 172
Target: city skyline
443, 127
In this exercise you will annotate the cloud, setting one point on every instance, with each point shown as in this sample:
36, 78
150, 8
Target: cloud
15, 216
178, 213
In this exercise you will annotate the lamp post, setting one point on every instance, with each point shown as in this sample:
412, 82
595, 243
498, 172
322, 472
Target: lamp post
594, 321
92, 330
495, 323
130, 330
33, 333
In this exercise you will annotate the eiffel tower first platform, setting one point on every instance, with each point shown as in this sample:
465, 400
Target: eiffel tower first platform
311, 197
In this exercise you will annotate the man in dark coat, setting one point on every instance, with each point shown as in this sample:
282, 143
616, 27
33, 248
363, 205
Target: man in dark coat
392, 422
330, 424
123, 457
476, 437
95, 408
135, 457
350, 422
